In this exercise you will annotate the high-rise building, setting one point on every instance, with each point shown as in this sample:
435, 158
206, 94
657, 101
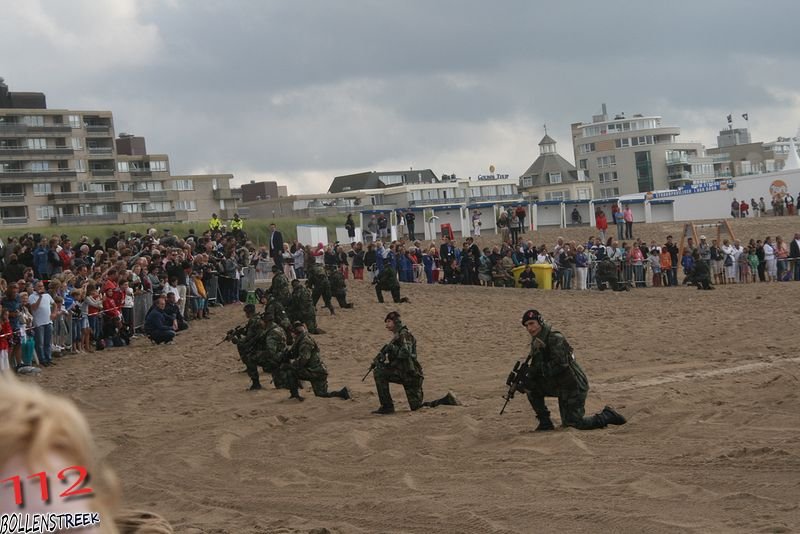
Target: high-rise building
60, 166
635, 154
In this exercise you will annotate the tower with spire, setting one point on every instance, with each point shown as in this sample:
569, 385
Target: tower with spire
551, 177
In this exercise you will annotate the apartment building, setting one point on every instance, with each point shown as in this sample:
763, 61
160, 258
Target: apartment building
61, 166
626, 155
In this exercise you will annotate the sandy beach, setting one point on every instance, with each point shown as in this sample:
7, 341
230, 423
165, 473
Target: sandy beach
707, 379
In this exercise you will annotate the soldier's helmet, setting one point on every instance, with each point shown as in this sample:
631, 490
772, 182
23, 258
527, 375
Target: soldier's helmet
532, 315
268, 316
392, 316
276, 269
249, 308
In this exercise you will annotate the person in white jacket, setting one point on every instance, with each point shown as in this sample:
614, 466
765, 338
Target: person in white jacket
771, 264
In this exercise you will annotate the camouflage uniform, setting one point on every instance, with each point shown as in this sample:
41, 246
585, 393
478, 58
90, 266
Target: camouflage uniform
302, 309
555, 373
700, 275
280, 317
397, 363
280, 288
246, 343
386, 280
320, 286
607, 273
268, 353
339, 287
305, 364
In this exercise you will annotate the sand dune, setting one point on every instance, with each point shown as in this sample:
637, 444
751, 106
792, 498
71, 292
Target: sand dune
708, 380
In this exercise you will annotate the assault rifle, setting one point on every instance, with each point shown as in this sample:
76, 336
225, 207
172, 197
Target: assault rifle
232, 333
515, 378
379, 358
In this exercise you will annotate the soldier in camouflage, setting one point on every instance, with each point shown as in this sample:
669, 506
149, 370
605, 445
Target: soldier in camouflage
302, 309
304, 363
268, 353
281, 317
397, 363
338, 286
320, 286
553, 372
253, 330
280, 286
386, 280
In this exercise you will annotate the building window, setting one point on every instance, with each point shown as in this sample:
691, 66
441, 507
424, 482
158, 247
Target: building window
76, 143
159, 207
158, 166
80, 165
183, 185
122, 166
75, 121
555, 177
644, 172
214, 184
33, 120
607, 177
527, 181
45, 212
39, 166
583, 164
584, 194
609, 192
556, 195
37, 144
222, 203
42, 189
622, 143
607, 161
186, 205
586, 148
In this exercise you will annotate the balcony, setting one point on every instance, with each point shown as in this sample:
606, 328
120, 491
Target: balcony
24, 151
222, 194
72, 197
679, 178
102, 172
100, 151
95, 130
723, 174
7, 198
86, 218
141, 173
678, 159
52, 175
14, 220
151, 195
434, 201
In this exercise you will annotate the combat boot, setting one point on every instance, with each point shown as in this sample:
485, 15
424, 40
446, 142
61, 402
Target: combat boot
330, 307
343, 394
545, 423
296, 395
255, 385
384, 410
612, 417
447, 400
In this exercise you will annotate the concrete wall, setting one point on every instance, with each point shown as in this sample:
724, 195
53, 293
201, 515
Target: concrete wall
548, 215
661, 212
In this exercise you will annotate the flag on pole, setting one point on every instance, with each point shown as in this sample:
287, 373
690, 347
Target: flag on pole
744, 116
730, 119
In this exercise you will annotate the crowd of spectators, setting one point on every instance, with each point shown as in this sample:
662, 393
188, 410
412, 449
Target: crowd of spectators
60, 295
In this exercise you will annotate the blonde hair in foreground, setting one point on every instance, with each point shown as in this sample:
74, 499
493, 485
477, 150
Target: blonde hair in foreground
40, 431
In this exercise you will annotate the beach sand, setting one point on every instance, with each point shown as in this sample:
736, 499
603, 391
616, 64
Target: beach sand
707, 379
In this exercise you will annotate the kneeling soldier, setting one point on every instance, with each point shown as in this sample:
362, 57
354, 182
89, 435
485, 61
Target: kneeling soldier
553, 372
397, 363
268, 352
304, 363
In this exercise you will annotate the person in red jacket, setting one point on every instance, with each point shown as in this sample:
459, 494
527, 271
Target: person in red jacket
602, 224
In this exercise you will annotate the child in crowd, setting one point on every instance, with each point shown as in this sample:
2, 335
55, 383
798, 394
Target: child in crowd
687, 262
127, 306
752, 259
75, 311
5, 338
744, 267
26, 339
654, 259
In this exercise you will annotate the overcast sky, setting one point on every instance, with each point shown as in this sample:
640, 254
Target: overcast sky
301, 91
